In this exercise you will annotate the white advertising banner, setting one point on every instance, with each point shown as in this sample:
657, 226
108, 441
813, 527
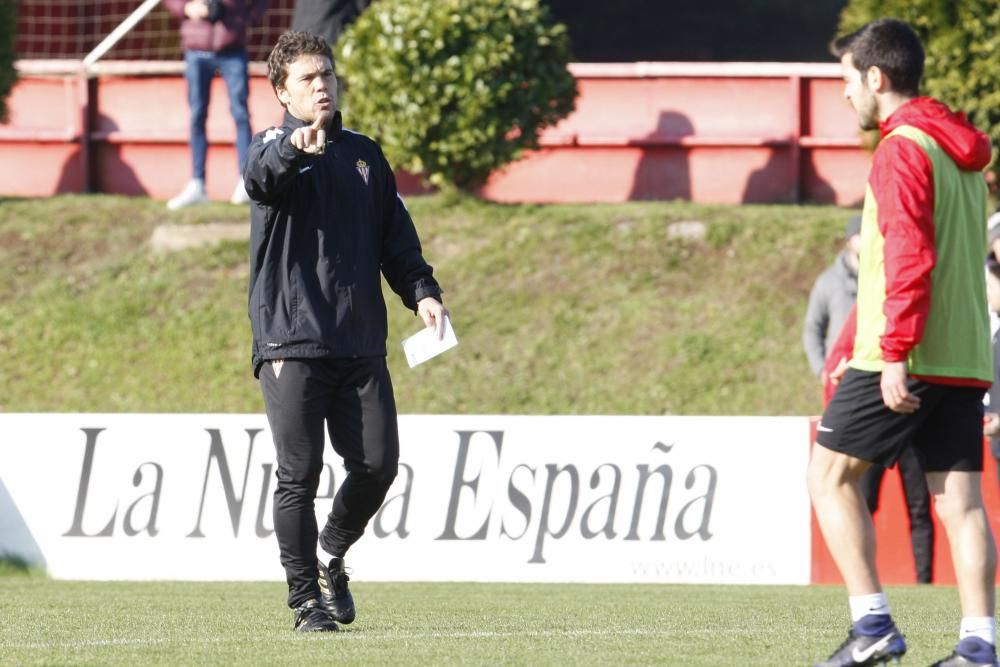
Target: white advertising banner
477, 498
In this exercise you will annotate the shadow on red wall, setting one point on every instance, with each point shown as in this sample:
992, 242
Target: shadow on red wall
663, 171
114, 174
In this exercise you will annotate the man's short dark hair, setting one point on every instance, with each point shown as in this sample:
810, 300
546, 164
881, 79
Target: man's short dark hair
892, 46
290, 46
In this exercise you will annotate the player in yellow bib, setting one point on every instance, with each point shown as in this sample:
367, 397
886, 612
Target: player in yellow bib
922, 356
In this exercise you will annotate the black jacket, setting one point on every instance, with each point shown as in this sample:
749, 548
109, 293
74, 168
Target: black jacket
322, 228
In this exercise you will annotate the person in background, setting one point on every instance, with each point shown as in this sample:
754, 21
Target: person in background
991, 427
831, 299
326, 18
918, 507
213, 36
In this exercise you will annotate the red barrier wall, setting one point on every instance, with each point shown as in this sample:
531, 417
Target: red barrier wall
894, 556
135, 140
712, 132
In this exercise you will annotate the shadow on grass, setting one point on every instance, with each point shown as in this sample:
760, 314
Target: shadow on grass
11, 566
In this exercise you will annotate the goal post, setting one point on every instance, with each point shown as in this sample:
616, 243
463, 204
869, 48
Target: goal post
96, 32
120, 31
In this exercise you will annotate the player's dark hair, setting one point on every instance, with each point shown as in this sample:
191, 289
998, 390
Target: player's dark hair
892, 46
290, 46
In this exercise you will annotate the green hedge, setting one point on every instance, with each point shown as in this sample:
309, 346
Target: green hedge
8, 75
455, 89
962, 42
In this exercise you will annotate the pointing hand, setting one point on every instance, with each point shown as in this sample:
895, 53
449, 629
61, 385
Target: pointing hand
311, 139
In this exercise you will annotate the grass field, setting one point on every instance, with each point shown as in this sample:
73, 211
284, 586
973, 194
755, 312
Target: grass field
559, 310
45, 622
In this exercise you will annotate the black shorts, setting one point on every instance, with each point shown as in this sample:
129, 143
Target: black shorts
946, 430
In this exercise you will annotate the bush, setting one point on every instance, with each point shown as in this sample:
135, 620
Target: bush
962, 46
8, 75
455, 89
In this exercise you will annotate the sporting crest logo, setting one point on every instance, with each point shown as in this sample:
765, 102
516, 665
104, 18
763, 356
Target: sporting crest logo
363, 169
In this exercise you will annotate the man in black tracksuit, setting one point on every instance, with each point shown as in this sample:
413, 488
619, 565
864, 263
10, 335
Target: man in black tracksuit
326, 221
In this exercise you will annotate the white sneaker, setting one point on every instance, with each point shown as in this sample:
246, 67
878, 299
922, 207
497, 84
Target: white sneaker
193, 193
240, 196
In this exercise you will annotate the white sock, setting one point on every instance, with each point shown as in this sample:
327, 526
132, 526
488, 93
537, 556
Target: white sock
984, 627
863, 605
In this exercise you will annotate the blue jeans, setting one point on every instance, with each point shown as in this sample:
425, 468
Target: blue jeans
200, 67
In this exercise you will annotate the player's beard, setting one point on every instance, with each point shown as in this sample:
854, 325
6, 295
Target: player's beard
867, 110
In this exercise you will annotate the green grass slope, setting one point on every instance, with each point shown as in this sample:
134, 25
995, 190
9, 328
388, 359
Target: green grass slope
589, 309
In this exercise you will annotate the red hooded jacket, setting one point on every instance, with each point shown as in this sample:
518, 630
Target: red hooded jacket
228, 33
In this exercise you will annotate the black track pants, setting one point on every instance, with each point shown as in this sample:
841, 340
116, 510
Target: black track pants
918, 504
354, 398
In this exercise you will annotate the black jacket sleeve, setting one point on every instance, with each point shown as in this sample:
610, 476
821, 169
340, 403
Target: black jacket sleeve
403, 263
272, 163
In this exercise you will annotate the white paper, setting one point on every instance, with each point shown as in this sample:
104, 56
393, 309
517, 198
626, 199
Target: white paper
425, 344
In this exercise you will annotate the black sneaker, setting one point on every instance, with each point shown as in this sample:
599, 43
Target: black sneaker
336, 595
313, 616
862, 650
971, 652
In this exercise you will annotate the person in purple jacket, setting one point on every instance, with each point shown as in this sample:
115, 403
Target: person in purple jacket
213, 36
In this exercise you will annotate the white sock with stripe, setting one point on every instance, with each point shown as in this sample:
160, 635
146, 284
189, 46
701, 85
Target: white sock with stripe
865, 605
984, 627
